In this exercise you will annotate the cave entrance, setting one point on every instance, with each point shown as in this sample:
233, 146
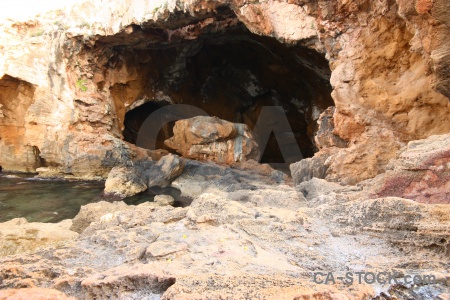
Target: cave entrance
232, 76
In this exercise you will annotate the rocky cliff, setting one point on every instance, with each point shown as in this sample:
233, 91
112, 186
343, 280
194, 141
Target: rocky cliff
76, 84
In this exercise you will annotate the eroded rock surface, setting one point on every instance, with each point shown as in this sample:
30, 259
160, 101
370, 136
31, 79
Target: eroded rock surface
212, 139
420, 172
263, 243
81, 70
20, 236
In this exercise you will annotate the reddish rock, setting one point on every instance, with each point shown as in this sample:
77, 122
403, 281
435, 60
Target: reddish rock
213, 139
421, 172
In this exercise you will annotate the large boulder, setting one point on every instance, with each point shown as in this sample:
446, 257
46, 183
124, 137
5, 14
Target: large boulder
124, 182
212, 139
162, 173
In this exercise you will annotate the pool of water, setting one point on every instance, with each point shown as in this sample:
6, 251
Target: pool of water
51, 200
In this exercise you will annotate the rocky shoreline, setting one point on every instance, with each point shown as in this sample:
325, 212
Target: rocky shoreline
171, 98
239, 240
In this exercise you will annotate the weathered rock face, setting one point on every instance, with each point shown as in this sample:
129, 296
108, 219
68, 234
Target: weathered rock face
243, 242
212, 139
81, 71
420, 172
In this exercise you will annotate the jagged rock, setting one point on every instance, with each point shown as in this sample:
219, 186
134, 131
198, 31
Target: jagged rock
19, 236
259, 246
124, 182
93, 212
308, 168
325, 136
163, 172
213, 139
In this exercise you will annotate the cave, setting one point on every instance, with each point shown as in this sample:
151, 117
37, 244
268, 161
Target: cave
230, 74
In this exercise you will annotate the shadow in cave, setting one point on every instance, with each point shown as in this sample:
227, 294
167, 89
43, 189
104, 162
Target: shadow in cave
232, 76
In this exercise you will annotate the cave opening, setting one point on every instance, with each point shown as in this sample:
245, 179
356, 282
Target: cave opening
230, 75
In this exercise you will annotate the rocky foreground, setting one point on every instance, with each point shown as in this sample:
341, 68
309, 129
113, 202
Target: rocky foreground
246, 235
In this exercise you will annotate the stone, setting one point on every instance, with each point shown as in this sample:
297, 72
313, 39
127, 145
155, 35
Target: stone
18, 236
164, 171
124, 182
325, 136
94, 212
420, 172
162, 248
314, 167
36, 293
316, 187
164, 200
57, 115
213, 139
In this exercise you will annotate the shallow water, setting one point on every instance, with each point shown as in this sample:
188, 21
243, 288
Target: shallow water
51, 200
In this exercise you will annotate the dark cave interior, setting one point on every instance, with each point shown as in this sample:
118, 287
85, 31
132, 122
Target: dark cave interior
231, 75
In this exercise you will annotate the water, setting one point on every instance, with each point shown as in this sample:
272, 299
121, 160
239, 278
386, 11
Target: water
51, 200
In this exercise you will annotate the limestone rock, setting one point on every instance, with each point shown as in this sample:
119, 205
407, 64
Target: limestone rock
213, 139
164, 200
124, 182
420, 172
316, 187
314, 167
94, 212
325, 136
35, 293
19, 236
162, 173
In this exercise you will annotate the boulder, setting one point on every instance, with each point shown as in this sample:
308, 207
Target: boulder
212, 139
124, 182
163, 172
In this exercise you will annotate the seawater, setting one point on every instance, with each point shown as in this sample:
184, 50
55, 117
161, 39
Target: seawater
54, 200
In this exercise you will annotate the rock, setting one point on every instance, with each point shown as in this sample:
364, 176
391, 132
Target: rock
56, 115
164, 200
198, 177
420, 172
316, 187
164, 171
325, 136
213, 139
212, 209
314, 167
260, 243
93, 212
36, 293
19, 236
124, 182
162, 248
